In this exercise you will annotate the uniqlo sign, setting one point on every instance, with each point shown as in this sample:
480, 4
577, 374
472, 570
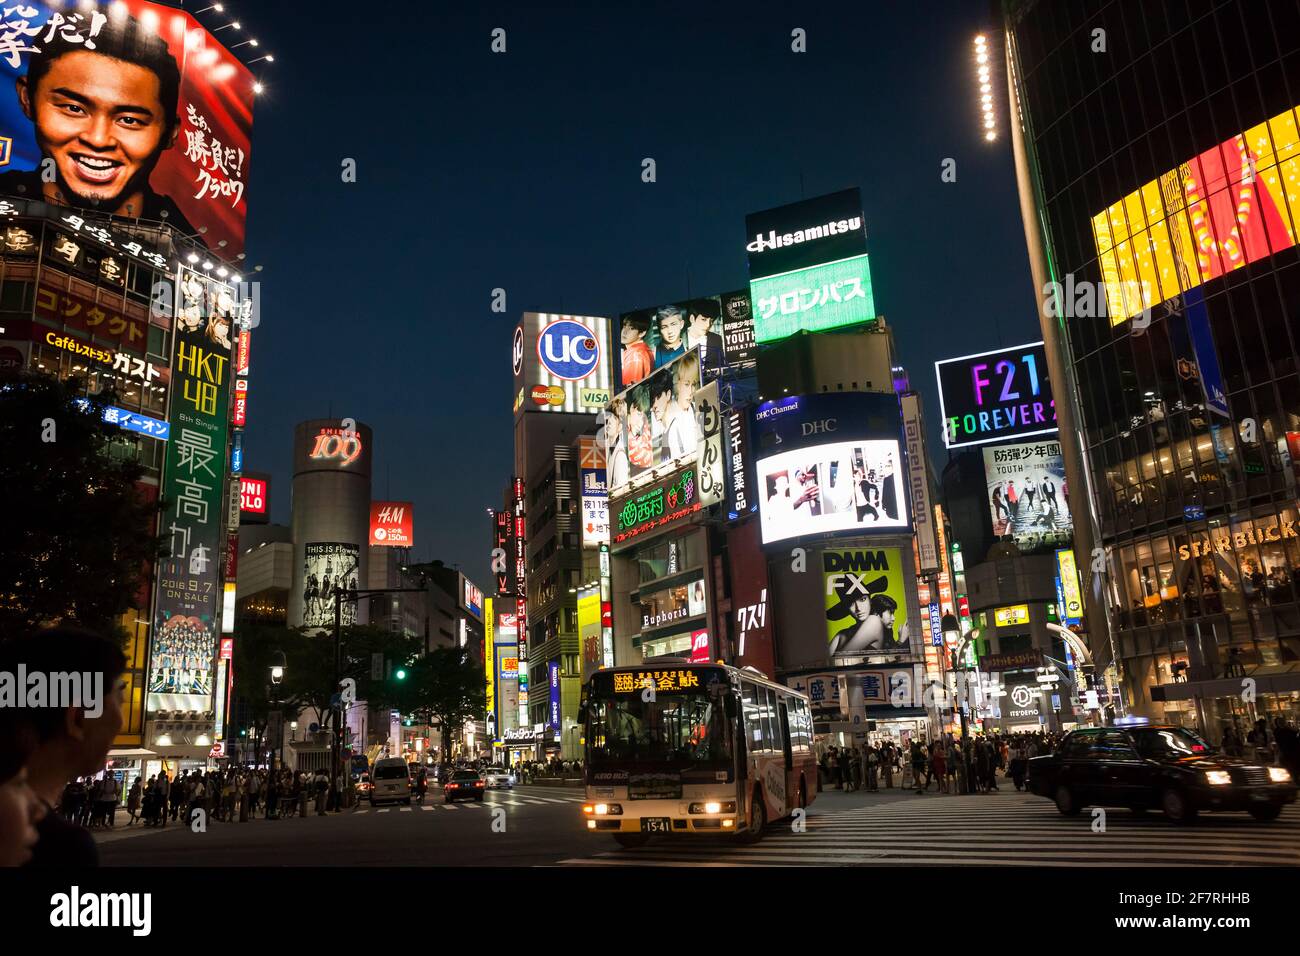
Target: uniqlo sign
392, 524
239, 406
252, 496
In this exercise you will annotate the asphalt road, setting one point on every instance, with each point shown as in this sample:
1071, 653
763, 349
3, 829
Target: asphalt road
543, 826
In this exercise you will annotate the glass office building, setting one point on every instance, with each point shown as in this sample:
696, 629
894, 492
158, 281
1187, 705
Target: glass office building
1158, 157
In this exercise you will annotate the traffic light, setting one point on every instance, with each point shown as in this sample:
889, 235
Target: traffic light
401, 674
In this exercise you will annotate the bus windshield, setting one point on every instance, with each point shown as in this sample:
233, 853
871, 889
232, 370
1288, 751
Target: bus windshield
682, 728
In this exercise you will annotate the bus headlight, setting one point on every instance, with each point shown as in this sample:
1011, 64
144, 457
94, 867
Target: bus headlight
1279, 774
1218, 778
604, 809
713, 806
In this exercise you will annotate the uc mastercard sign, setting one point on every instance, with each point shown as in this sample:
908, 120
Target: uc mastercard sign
568, 350
561, 363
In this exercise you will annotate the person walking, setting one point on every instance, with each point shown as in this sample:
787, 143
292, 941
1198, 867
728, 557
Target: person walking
873, 768
133, 802
164, 795
937, 768
321, 784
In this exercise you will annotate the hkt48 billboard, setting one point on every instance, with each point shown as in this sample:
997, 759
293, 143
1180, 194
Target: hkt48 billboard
141, 112
561, 363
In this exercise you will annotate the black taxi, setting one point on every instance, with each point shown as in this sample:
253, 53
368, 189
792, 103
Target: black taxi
1160, 766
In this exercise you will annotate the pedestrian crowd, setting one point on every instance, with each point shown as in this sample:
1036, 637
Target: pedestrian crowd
949, 764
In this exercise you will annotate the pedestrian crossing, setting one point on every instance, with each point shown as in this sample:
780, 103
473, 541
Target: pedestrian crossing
983, 830
508, 798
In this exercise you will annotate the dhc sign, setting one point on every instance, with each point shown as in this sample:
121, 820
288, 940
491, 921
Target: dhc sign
568, 350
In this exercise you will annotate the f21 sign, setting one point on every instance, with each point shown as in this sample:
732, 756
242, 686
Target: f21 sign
996, 396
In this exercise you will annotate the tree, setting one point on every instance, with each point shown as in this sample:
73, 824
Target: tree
78, 533
445, 687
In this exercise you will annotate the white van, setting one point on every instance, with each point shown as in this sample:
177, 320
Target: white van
390, 779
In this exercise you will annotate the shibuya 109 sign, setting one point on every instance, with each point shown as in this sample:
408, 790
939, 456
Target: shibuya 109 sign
661, 505
993, 396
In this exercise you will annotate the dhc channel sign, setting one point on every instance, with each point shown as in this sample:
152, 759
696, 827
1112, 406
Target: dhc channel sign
568, 350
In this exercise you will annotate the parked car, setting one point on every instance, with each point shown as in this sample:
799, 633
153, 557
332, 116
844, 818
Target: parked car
1156, 766
464, 785
497, 777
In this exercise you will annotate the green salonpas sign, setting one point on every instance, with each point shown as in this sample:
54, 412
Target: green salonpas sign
817, 298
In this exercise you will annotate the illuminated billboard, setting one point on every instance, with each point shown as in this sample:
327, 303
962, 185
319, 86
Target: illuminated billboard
594, 493
561, 362
1232, 204
827, 296
186, 612
720, 327
866, 602
252, 496
392, 524
806, 233
328, 569
1026, 493
652, 426
182, 158
995, 396
830, 463
660, 504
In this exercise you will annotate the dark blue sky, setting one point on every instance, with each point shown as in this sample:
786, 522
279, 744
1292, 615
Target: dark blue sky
522, 171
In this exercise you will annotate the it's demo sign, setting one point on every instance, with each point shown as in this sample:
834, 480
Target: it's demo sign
996, 396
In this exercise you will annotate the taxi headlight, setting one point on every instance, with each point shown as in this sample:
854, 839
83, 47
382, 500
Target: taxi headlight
1218, 778
1279, 774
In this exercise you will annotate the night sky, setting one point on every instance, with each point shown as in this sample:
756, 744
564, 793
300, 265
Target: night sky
523, 171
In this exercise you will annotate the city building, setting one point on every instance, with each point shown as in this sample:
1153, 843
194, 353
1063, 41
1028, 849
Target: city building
1158, 187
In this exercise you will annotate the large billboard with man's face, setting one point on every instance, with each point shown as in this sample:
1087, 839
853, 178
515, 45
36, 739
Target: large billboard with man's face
1026, 494
654, 425
720, 327
128, 108
829, 464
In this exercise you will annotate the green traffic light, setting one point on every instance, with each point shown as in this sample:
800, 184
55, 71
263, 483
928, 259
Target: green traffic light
401, 675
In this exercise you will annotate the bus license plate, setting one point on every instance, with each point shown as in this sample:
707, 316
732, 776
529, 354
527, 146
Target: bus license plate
655, 825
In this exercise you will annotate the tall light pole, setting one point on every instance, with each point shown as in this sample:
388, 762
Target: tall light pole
277, 678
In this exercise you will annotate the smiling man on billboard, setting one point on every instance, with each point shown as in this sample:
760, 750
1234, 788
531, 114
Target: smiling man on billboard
104, 112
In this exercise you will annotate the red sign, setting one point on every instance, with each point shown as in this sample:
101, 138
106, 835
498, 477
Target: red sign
699, 647
242, 348
239, 407
392, 523
252, 496
227, 648
606, 614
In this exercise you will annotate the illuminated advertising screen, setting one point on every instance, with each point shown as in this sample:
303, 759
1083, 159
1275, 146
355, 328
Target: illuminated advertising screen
120, 325
589, 630
1026, 493
866, 604
653, 425
1009, 616
711, 466
506, 630
186, 158
720, 327
594, 493
472, 597
392, 524
996, 396
562, 363
739, 464
187, 608
919, 483
830, 463
805, 233
253, 496
328, 568
1228, 206
553, 680
828, 296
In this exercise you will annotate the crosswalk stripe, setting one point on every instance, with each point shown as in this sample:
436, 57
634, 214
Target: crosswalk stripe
382, 810
1013, 830
404, 809
429, 807
449, 806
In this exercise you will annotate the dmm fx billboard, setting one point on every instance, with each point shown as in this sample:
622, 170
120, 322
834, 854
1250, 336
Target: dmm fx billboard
829, 464
182, 658
179, 103
994, 396
866, 602
561, 363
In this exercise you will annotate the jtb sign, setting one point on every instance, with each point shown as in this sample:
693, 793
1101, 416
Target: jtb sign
994, 396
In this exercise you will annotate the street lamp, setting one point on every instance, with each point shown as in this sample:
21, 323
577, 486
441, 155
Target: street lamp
277, 678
